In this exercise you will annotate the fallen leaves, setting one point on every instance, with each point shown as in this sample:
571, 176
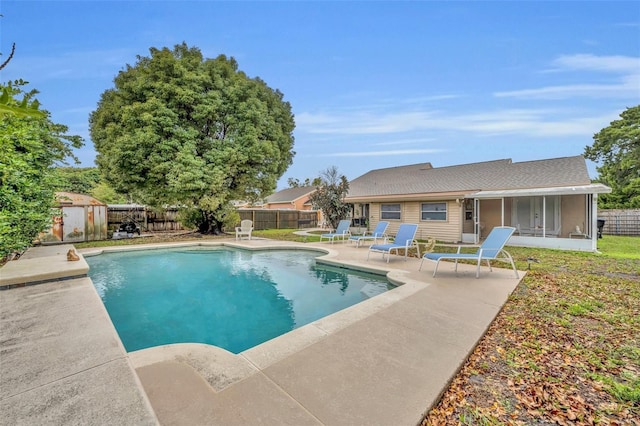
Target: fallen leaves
552, 354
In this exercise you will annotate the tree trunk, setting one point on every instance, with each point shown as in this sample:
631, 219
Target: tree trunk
208, 225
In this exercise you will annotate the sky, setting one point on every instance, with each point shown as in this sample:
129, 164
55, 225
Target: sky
372, 84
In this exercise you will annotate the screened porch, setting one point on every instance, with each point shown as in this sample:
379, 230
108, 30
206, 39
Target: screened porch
563, 218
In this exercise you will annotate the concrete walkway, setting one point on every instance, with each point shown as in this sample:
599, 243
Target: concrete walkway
61, 360
384, 361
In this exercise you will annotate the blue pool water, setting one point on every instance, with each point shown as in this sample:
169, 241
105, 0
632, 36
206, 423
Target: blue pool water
234, 299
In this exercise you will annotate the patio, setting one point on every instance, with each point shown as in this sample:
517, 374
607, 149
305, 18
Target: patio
383, 361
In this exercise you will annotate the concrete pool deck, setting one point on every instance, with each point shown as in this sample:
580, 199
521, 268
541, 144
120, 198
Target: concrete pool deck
384, 361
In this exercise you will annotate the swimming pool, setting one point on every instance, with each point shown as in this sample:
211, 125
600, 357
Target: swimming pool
231, 298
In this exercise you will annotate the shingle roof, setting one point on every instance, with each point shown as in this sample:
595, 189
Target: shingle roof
490, 175
290, 194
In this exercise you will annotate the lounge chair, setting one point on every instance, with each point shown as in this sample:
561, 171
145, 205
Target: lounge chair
378, 233
342, 231
402, 241
245, 228
491, 249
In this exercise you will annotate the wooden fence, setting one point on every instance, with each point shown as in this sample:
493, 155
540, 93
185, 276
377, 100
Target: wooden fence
280, 219
620, 222
147, 220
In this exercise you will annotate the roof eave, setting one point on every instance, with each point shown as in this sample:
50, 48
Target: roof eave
595, 188
449, 195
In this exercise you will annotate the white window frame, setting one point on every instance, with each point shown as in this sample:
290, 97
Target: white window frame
384, 214
424, 210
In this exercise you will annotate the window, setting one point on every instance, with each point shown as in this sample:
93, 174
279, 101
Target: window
433, 211
390, 211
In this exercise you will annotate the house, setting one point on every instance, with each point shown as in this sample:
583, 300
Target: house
552, 202
291, 198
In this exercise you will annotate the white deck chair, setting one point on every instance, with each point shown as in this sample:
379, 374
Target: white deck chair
245, 229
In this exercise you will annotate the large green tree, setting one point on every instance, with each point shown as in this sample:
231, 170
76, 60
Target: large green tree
329, 196
78, 179
31, 145
198, 133
617, 149
86, 180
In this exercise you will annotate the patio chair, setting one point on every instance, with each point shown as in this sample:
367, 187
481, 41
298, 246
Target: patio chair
342, 231
491, 249
245, 228
402, 241
378, 233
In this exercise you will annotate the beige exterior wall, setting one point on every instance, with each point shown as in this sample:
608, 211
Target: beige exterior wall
490, 216
276, 206
573, 213
298, 204
410, 211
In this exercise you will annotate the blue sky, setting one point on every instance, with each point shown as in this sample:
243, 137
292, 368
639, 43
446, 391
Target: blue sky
371, 84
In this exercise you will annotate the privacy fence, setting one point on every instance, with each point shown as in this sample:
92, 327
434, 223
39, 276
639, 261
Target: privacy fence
148, 220
280, 219
620, 222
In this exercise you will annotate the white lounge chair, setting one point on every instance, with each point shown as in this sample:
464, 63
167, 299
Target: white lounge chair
245, 229
377, 234
491, 249
342, 231
403, 241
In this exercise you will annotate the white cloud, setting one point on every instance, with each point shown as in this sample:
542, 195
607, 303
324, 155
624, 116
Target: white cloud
624, 84
382, 153
403, 126
397, 142
622, 64
365, 122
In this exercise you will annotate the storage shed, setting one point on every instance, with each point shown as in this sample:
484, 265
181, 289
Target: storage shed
83, 219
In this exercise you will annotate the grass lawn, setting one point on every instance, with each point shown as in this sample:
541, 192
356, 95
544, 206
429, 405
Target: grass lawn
564, 350
620, 247
288, 235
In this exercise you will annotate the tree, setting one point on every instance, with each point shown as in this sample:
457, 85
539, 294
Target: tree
8, 104
295, 183
618, 148
77, 179
30, 146
329, 197
178, 129
105, 193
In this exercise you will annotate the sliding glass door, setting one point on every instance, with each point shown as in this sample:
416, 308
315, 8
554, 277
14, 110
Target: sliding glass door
533, 214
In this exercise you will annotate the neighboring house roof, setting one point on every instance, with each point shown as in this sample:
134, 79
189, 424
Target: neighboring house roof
422, 179
290, 194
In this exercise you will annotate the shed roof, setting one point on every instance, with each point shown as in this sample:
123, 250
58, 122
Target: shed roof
75, 199
290, 194
469, 178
